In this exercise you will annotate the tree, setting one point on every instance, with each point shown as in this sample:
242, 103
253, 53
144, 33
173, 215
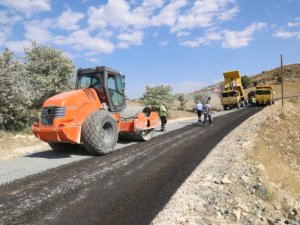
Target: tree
49, 72
14, 94
246, 81
200, 97
182, 101
154, 96
255, 83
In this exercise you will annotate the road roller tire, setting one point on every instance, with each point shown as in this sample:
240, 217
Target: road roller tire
99, 133
144, 135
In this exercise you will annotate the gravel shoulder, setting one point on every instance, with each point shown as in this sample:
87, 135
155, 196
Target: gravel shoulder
232, 186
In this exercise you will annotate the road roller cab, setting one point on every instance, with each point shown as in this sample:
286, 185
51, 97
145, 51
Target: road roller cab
92, 114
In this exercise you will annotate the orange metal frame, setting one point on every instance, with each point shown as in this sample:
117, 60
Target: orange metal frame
78, 105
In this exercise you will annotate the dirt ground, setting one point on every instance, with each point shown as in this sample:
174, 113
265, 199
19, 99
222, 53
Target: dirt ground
251, 177
16, 144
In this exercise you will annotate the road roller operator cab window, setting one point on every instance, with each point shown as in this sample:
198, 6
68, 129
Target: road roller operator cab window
116, 89
108, 83
88, 81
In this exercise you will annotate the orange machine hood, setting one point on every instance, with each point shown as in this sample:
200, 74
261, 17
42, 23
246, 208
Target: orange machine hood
78, 103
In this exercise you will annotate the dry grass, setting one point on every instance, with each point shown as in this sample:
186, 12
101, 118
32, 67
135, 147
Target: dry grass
278, 149
16, 144
290, 88
9, 141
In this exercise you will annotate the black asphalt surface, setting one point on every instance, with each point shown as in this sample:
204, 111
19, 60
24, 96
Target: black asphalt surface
129, 186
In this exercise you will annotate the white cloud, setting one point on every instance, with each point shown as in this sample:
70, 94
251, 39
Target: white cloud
183, 34
8, 19
4, 33
163, 43
152, 4
205, 40
82, 40
118, 14
28, 7
18, 46
228, 14
286, 34
93, 60
68, 54
238, 39
205, 13
133, 38
229, 39
38, 30
69, 20
293, 24
169, 14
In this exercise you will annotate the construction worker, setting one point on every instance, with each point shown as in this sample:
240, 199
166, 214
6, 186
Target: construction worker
199, 110
253, 101
232, 84
163, 116
207, 114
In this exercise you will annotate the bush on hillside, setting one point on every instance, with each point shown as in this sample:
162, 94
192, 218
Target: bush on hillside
200, 97
154, 96
25, 86
182, 101
15, 95
49, 71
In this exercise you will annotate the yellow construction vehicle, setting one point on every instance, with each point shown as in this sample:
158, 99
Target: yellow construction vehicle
233, 94
264, 95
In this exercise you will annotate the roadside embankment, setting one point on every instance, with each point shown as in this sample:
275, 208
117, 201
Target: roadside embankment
251, 177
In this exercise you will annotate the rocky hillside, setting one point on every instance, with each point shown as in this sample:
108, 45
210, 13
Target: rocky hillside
290, 73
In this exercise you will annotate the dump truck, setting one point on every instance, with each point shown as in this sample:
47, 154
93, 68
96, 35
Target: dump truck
93, 115
264, 95
233, 94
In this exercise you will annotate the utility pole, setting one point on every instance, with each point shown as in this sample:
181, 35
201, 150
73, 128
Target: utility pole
281, 81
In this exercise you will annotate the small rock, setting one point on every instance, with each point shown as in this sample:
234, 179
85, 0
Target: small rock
288, 221
277, 207
223, 211
200, 222
253, 169
245, 179
271, 221
261, 167
258, 214
217, 181
226, 180
235, 216
243, 208
262, 192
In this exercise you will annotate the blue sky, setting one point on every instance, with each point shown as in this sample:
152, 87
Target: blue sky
183, 43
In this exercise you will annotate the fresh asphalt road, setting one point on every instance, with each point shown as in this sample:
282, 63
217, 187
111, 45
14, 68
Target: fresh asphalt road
46, 158
126, 187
